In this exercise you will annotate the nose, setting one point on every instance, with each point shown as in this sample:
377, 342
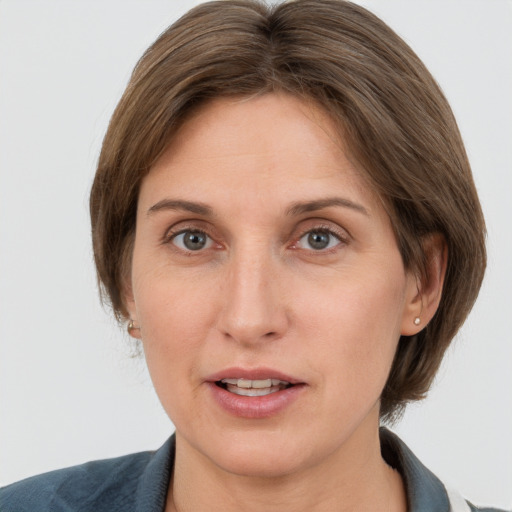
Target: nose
254, 306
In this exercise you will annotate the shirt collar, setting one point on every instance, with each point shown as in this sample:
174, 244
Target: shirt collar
425, 492
153, 483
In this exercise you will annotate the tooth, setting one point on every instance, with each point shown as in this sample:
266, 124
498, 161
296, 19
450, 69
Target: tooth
260, 384
277, 382
257, 384
251, 391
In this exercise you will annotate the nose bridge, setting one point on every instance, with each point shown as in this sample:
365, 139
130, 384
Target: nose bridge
253, 307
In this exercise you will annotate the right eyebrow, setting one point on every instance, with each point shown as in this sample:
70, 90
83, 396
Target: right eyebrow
178, 204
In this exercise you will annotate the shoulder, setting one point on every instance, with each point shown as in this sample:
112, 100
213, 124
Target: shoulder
97, 483
425, 492
104, 485
460, 504
474, 508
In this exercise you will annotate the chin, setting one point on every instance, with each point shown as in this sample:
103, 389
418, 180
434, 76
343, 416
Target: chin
266, 453
257, 462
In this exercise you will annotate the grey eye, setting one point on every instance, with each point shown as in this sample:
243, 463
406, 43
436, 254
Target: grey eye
318, 240
192, 240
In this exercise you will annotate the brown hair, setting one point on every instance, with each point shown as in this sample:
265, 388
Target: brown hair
392, 115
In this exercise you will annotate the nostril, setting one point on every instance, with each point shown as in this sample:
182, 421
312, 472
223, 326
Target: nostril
251, 325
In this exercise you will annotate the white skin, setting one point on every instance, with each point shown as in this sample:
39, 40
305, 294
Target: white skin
256, 292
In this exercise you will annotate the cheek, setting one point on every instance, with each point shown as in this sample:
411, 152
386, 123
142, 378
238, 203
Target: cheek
174, 329
354, 327
176, 316
169, 301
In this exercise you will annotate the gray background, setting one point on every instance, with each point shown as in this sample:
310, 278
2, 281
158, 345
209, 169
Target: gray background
69, 389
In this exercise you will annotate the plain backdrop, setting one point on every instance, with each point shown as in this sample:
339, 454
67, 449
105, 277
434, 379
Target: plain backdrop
70, 388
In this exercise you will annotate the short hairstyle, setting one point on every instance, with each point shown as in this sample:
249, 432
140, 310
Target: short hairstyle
392, 115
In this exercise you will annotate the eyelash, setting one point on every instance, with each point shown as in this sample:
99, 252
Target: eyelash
170, 236
322, 229
342, 238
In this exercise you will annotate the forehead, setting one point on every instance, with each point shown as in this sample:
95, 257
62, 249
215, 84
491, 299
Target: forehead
273, 143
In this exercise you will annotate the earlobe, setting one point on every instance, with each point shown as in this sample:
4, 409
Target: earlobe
425, 294
133, 326
133, 329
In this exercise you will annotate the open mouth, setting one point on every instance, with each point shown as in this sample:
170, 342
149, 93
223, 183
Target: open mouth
247, 387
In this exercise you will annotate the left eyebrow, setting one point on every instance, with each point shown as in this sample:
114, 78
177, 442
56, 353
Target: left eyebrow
319, 204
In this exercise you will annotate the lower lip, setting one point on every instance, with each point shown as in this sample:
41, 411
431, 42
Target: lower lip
255, 407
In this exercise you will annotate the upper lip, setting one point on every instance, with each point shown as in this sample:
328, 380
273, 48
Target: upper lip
252, 374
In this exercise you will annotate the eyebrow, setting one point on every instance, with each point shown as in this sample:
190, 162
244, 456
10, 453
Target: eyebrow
295, 209
319, 204
178, 204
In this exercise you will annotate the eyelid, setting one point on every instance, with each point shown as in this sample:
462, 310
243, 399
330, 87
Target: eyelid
342, 234
334, 230
171, 233
182, 227
305, 227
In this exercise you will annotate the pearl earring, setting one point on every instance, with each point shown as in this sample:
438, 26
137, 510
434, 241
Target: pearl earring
132, 327
417, 320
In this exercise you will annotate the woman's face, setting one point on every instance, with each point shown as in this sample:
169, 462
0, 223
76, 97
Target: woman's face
268, 286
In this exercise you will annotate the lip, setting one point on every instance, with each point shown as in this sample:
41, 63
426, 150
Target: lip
259, 407
252, 374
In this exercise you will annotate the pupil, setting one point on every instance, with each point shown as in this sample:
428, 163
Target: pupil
318, 240
194, 241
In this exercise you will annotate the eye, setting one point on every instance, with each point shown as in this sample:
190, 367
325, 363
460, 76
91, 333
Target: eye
318, 240
192, 240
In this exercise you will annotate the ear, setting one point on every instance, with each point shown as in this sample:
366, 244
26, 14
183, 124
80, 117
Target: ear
133, 325
424, 293
127, 295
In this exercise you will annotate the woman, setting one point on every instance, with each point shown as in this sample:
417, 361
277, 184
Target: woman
284, 214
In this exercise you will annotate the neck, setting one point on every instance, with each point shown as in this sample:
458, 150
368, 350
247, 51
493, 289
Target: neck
355, 478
